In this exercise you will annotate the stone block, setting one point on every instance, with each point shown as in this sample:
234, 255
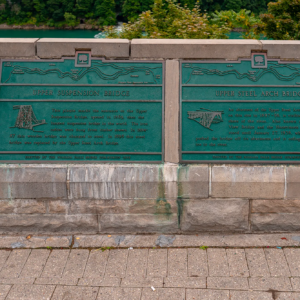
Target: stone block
26, 291
215, 215
17, 47
5, 192
111, 190
116, 173
38, 223
282, 49
275, 222
59, 206
172, 111
275, 206
293, 182
197, 48
33, 182
138, 206
248, 182
123, 182
22, 206
57, 48
36, 190
138, 223
25, 174
193, 181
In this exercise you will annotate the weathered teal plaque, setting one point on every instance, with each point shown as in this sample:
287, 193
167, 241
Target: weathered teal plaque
241, 111
81, 109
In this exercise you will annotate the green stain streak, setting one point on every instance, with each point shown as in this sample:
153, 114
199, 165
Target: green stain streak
182, 172
162, 205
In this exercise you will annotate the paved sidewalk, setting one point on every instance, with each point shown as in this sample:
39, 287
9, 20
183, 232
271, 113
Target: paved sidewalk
150, 274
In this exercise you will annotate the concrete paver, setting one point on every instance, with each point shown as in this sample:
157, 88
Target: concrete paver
142, 282
4, 289
270, 283
222, 283
56, 263
295, 283
177, 262
163, 294
185, 282
116, 264
237, 263
75, 293
4, 254
287, 296
30, 292
157, 263
20, 280
137, 263
277, 262
217, 262
100, 281
159, 274
192, 294
14, 264
56, 280
252, 295
35, 263
257, 263
106, 293
197, 262
292, 256
76, 263
96, 264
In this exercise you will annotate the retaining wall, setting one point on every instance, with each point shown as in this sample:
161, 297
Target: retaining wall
150, 198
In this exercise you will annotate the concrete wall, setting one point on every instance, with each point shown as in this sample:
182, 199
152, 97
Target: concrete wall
150, 198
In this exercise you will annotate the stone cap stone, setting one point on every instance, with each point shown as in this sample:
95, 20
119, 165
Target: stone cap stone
193, 48
57, 48
282, 49
11, 47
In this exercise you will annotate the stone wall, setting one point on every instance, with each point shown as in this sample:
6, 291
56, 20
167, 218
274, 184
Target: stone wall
150, 198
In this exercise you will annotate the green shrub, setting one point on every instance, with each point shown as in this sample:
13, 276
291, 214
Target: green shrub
170, 21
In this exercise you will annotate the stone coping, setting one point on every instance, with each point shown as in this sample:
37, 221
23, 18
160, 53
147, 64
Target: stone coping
148, 48
57, 48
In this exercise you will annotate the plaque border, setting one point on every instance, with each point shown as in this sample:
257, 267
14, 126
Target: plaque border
162, 153
252, 162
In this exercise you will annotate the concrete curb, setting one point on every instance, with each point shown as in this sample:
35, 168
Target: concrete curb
150, 241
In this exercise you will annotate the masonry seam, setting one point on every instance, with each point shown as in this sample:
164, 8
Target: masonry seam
285, 183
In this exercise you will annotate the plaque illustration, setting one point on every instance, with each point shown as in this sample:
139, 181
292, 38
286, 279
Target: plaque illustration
104, 71
26, 118
283, 72
206, 117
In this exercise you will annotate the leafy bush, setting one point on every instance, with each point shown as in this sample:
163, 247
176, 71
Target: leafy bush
170, 21
70, 19
244, 19
281, 22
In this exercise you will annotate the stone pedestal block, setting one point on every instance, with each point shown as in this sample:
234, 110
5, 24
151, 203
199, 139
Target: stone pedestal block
248, 182
38, 182
43, 223
215, 215
138, 223
293, 182
275, 222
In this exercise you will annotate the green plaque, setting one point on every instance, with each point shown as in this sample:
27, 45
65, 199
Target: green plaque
240, 111
81, 109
